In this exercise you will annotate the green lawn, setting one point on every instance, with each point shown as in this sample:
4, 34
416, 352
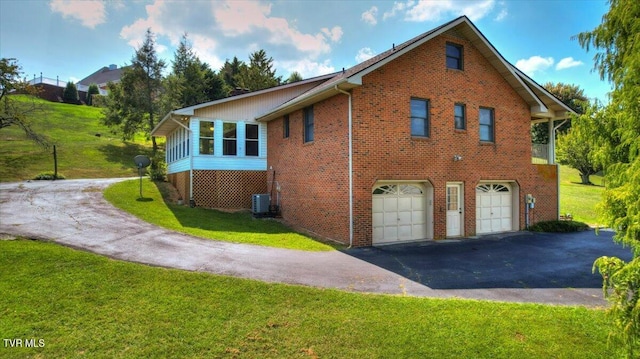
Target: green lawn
577, 199
81, 153
84, 305
238, 227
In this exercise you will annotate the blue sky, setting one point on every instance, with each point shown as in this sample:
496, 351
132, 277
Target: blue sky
71, 39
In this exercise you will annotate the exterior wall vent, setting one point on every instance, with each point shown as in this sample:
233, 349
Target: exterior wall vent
260, 204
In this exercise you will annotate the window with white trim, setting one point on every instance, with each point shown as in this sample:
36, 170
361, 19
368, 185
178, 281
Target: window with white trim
206, 137
419, 117
487, 125
251, 140
229, 139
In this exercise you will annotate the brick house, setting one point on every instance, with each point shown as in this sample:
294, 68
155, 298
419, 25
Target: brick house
428, 140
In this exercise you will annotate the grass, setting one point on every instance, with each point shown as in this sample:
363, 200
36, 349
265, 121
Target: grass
81, 153
84, 305
238, 227
577, 199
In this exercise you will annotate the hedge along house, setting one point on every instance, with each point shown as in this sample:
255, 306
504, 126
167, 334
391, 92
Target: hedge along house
428, 140
216, 152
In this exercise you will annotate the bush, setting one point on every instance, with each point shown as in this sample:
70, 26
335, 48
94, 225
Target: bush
93, 90
70, 94
559, 226
98, 101
158, 168
48, 176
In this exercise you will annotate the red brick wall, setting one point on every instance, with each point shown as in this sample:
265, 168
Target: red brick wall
314, 177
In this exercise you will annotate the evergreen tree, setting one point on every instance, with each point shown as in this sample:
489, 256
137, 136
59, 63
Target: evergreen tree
135, 102
294, 77
228, 73
70, 93
199, 83
93, 90
259, 74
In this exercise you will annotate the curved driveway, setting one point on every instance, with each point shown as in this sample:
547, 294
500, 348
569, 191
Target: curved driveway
74, 213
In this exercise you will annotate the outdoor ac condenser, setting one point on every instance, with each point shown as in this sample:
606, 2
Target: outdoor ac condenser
260, 204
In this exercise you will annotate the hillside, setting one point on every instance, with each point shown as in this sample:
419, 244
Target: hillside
85, 147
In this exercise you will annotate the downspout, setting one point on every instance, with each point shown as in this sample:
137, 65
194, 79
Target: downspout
190, 158
350, 167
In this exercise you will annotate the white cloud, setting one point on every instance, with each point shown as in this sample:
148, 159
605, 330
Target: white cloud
335, 34
236, 18
502, 15
370, 15
90, 13
398, 6
534, 64
364, 54
307, 68
568, 62
427, 10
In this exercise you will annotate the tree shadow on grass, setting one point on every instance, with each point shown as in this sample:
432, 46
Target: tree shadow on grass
123, 153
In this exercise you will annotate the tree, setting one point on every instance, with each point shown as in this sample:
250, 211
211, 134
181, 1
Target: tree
199, 83
14, 112
576, 148
259, 74
294, 77
135, 102
70, 93
617, 59
229, 72
93, 90
572, 96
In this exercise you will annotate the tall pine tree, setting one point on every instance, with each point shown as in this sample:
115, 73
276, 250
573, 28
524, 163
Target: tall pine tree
134, 104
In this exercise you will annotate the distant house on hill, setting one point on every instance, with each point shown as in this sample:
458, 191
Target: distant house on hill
51, 89
102, 77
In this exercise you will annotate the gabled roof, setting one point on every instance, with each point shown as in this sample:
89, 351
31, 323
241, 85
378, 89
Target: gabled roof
543, 104
104, 76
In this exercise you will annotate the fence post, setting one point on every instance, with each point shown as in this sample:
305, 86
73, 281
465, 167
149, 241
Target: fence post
55, 163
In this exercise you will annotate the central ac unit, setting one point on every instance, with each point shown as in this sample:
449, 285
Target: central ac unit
260, 204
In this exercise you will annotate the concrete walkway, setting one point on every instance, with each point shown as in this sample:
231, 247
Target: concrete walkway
74, 213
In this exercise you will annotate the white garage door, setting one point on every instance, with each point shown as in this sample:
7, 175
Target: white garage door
493, 208
398, 213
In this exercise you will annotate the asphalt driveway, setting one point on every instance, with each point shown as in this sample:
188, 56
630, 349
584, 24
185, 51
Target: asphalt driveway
517, 267
513, 260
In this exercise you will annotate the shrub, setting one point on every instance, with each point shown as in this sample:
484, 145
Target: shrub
70, 94
93, 90
158, 168
49, 176
559, 226
98, 101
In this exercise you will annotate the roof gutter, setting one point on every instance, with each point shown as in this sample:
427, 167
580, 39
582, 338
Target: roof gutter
350, 166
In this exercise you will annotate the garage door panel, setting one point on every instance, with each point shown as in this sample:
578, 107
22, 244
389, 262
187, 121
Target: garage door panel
404, 218
405, 232
390, 233
378, 233
378, 218
418, 217
390, 204
390, 218
417, 203
404, 204
377, 205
